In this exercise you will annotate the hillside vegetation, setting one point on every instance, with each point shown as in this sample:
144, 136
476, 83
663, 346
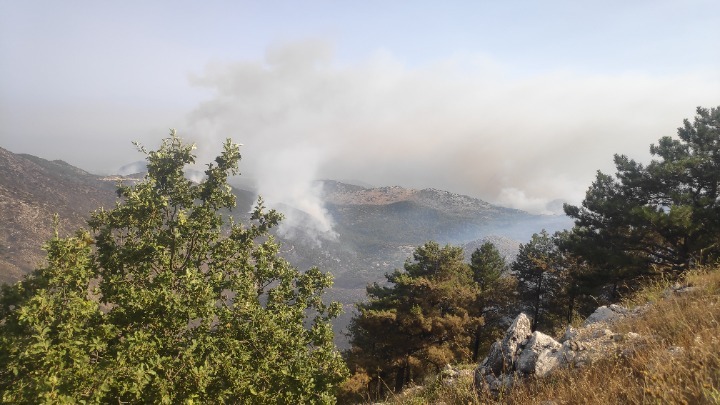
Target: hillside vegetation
645, 223
169, 298
676, 359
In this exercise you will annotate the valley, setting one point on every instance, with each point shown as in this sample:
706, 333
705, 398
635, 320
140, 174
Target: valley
376, 229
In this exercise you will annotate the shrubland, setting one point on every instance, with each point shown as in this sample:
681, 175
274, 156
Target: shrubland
675, 360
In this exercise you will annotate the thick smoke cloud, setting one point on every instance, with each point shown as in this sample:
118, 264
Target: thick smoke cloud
468, 124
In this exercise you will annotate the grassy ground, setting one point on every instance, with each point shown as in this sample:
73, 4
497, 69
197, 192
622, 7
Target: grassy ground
677, 360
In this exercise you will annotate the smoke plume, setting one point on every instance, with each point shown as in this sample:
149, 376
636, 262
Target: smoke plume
465, 124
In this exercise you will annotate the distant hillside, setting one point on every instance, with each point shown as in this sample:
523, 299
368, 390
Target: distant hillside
31, 191
420, 215
507, 247
377, 228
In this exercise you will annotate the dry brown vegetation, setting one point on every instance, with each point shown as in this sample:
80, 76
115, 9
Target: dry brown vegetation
677, 360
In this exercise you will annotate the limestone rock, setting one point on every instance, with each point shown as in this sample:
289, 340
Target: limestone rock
570, 333
494, 361
606, 314
679, 289
517, 333
522, 353
495, 371
541, 355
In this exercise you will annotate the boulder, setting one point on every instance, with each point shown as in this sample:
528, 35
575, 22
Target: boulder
540, 355
493, 363
518, 332
606, 314
679, 289
495, 371
522, 353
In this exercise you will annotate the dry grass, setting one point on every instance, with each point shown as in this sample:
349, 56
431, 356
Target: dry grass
677, 360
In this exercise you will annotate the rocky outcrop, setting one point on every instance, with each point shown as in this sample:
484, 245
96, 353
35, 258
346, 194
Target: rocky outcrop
540, 355
503, 355
522, 353
606, 314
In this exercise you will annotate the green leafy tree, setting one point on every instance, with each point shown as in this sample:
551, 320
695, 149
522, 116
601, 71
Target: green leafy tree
419, 321
168, 301
661, 217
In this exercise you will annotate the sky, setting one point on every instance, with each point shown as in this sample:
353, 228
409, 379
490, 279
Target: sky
516, 102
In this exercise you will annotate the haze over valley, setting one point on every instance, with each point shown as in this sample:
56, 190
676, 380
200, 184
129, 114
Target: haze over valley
362, 233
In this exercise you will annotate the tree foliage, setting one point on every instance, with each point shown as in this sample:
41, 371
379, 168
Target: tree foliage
495, 298
553, 283
537, 269
663, 216
423, 319
166, 300
487, 265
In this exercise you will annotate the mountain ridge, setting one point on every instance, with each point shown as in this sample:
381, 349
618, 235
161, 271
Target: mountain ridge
368, 219
340, 193
376, 229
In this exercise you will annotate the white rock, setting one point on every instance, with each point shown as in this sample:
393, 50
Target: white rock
495, 371
540, 356
606, 314
516, 334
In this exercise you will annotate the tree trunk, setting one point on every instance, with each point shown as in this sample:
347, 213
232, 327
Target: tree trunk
400, 378
408, 372
613, 293
571, 309
536, 315
476, 343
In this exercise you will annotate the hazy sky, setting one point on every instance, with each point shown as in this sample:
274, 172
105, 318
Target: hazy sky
516, 102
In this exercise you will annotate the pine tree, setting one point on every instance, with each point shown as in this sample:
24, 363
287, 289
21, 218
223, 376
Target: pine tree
419, 321
537, 270
495, 293
664, 216
487, 265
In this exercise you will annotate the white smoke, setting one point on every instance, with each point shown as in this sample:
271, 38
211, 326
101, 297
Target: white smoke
139, 166
464, 124
287, 183
194, 175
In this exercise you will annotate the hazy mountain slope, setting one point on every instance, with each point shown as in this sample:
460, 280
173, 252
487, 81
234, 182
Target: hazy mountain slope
377, 228
31, 191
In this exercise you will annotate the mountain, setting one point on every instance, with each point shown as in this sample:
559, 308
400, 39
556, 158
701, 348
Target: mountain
31, 191
507, 247
375, 229
408, 215
379, 228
